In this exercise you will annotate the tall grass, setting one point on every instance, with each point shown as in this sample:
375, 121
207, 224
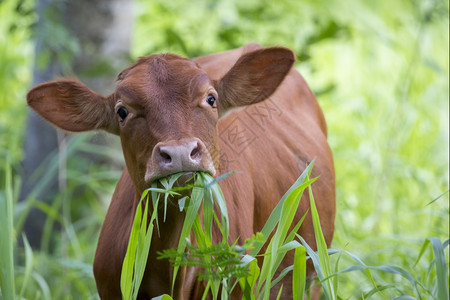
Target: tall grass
226, 265
223, 265
7, 282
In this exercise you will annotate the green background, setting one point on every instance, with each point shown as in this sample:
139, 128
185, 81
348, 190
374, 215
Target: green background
380, 70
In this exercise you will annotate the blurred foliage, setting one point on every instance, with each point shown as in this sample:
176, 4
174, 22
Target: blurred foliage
56, 42
381, 72
16, 52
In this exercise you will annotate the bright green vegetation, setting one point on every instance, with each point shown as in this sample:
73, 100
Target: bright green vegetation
222, 264
380, 70
228, 266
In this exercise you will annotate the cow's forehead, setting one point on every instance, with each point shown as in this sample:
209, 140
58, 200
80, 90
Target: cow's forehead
163, 76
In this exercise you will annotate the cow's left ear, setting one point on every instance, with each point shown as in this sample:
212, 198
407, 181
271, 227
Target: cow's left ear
254, 77
72, 106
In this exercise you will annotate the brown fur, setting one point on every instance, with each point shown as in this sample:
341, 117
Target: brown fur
277, 131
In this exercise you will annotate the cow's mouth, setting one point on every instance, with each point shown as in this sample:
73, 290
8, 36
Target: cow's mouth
182, 177
180, 182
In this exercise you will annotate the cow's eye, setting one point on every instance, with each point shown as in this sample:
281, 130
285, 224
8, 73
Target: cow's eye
211, 100
123, 113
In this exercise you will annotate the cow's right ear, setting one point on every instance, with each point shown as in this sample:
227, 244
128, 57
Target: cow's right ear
72, 106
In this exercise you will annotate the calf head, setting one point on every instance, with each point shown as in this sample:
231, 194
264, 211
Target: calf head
165, 108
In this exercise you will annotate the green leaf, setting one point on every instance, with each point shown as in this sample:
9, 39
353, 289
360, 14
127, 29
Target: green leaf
182, 202
279, 292
289, 246
322, 250
219, 199
146, 234
272, 221
126, 278
384, 268
28, 264
248, 283
441, 268
163, 297
208, 213
191, 213
43, 285
6, 246
299, 273
378, 289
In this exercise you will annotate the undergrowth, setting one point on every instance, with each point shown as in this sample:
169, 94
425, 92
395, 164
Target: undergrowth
226, 266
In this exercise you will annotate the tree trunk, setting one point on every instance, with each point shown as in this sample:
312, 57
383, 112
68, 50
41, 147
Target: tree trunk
85, 39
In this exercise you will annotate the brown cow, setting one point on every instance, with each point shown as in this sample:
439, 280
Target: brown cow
174, 114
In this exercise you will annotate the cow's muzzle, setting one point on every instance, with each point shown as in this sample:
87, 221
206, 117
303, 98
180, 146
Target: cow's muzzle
185, 155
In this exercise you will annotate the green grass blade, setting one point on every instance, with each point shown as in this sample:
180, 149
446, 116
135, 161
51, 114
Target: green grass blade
288, 241
292, 234
208, 214
281, 250
43, 285
299, 273
248, 283
288, 246
126, 278
336, 267
275, 215
384, 268
282, 215
155, 199
322, 250
438, 197
168, 184
441, 268
28, 265
279, 292
288, 212
265, 271
207, 288
378, 289
162, 297
356, 258
200, 237
224, 294
404, 297
283, 273
6, 247
287, 215
191, 213
218, 197
145, 238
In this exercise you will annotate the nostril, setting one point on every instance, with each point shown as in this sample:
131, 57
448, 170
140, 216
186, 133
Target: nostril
195, 151
165, 156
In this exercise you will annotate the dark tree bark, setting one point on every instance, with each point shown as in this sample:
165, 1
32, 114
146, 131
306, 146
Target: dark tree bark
85, 39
